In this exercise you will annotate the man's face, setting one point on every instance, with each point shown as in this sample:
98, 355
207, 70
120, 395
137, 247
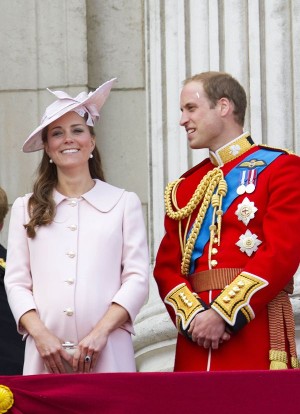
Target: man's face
203, 123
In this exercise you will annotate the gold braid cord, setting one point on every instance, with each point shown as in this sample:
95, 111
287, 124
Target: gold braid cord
211, 190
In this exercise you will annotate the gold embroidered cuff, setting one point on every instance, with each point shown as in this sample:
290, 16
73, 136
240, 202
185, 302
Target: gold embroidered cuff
184, 303
235, 298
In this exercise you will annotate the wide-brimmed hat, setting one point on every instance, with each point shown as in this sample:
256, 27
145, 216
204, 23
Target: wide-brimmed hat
84, 103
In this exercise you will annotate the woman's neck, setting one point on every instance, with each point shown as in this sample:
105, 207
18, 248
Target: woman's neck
74, 187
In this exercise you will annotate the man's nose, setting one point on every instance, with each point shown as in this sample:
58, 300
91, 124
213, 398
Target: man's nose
183, 119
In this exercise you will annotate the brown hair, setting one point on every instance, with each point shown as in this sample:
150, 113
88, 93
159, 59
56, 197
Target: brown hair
3, 205
41, 206
219, 85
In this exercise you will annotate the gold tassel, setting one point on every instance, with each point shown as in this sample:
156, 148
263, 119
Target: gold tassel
278, 359
295, 362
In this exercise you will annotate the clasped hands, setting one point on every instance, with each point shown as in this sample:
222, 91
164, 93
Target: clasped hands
208, 329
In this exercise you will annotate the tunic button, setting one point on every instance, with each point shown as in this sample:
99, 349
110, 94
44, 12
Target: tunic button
214, 250
71, 254
69, 312
73, 227
214, 263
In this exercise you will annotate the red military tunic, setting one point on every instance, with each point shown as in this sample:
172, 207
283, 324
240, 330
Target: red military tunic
268, 262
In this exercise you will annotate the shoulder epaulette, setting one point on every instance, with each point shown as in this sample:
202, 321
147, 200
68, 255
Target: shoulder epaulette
269, 148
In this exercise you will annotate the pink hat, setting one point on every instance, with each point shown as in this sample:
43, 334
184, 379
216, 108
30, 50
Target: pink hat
84, 103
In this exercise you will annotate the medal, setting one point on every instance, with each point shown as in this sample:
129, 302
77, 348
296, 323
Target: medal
246, 210
250, 187
242, 188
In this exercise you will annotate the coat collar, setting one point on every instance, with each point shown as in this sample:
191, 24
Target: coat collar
102, 196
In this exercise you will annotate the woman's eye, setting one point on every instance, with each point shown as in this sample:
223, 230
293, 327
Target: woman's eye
56, 133
78, 131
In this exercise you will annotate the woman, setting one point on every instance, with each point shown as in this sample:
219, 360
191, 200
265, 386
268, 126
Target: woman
77, 265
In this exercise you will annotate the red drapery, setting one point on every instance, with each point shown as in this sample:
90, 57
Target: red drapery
204, 392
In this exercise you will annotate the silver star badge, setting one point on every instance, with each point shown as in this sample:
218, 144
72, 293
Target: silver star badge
248, 243
246, 211
235, 149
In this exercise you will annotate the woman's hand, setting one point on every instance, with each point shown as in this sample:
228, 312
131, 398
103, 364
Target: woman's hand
48, 345
52, 352
88, 351
90, 348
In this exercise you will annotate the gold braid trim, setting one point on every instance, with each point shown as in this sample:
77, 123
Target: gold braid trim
184, 303
205, 191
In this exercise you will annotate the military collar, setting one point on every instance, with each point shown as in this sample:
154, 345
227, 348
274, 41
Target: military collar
232, 150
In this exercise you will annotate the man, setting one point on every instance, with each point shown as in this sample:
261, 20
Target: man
226, 263
11, 345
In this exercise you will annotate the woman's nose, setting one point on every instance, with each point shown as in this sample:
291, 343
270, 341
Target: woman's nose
69, 137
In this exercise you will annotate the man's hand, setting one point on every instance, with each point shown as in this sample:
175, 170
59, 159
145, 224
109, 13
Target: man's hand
208, 329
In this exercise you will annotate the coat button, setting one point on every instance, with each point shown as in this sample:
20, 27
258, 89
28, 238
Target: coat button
71, 254
70, 281
72, 227
69, 311
214, 250
214, 263
72, 203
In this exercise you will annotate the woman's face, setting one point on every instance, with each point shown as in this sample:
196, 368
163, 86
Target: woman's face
69, 141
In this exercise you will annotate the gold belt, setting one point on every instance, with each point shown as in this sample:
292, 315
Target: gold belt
213, 278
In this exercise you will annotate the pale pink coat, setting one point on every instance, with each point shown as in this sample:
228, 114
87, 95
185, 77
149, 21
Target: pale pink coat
94, 253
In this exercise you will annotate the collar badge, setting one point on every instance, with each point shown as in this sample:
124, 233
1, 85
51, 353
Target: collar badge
235, 149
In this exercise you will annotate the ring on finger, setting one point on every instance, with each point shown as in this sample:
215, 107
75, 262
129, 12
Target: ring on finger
87, 359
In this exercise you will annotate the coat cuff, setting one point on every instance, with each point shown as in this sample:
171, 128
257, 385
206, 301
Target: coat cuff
233, 303
186, 305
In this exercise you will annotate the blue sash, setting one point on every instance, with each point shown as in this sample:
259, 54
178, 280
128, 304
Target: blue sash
232, 178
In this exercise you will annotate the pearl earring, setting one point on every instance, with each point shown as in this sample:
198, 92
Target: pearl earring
91, 156
51, 161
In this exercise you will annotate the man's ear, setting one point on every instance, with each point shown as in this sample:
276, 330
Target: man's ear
226, 106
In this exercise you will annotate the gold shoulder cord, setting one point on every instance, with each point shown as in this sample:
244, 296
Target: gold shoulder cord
211, 190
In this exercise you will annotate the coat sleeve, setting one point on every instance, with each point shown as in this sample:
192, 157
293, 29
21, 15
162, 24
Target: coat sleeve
135, 259
18, 281
175, 290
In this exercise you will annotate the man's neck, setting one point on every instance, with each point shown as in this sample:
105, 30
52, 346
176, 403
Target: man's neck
231, 149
